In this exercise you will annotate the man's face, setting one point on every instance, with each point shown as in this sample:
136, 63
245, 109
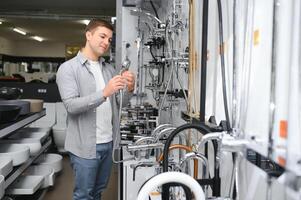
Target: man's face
99, 40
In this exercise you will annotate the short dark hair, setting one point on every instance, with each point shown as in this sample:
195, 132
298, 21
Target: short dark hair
94, 23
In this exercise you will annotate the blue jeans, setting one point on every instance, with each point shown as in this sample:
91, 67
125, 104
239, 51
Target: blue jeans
92, 175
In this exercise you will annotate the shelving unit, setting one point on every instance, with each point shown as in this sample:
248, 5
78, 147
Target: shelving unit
20, 169
8, 129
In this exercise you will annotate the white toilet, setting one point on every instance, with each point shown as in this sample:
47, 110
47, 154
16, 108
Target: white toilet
59, 129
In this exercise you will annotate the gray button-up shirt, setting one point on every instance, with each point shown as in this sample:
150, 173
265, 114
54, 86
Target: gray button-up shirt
77, 88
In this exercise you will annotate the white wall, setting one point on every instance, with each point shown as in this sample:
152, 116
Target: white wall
6, 46
31, 48
39, 49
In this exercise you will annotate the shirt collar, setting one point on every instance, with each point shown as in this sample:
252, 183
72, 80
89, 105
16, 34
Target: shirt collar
82, 59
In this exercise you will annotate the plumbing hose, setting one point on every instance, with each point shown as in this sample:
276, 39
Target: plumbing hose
188, 149
199, 127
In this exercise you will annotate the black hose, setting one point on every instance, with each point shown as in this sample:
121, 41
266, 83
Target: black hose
199, 127
151, 52
163, 73
204, 60
221, 38
155, 10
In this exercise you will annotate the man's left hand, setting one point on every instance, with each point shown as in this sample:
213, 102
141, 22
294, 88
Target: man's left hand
130, 78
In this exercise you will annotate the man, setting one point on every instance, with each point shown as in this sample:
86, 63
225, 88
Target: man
89, 90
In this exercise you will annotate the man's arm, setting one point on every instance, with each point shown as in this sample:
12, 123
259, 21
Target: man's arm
69, 91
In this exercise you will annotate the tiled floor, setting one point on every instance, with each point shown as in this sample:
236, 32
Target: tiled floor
63, 187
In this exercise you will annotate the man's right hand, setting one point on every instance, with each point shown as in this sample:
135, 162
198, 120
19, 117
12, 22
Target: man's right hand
116, 83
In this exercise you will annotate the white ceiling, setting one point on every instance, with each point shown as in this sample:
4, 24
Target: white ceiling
54, 31
55, 20
84, 7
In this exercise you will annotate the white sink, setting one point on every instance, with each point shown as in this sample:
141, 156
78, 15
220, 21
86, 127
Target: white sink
19, 153
25, 185
42, 170
51, 159
34, 146
2, 186
6, 165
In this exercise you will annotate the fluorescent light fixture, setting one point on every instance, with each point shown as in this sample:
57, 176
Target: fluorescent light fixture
85, 21
37, 38
19, 31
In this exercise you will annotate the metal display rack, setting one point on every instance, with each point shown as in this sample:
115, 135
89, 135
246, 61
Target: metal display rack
9, 128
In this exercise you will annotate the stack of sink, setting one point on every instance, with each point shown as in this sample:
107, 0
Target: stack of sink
40, 175
27, 142
34, 178
18, 153
46, 171
25, 185
17, 149
16, 145
51, 159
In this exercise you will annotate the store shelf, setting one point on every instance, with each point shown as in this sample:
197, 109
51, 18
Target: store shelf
19, 170
8, 129
22, 121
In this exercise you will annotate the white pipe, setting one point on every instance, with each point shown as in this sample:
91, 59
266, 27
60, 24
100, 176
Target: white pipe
163, 132
145, 139
160, 127
168, 177
208, 137
198, 156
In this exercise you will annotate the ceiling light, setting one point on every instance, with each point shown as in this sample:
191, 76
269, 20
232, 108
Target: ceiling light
86, 21
19, 31
0, 22
37, 38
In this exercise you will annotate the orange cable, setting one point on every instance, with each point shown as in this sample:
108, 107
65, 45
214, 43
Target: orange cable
187, 148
